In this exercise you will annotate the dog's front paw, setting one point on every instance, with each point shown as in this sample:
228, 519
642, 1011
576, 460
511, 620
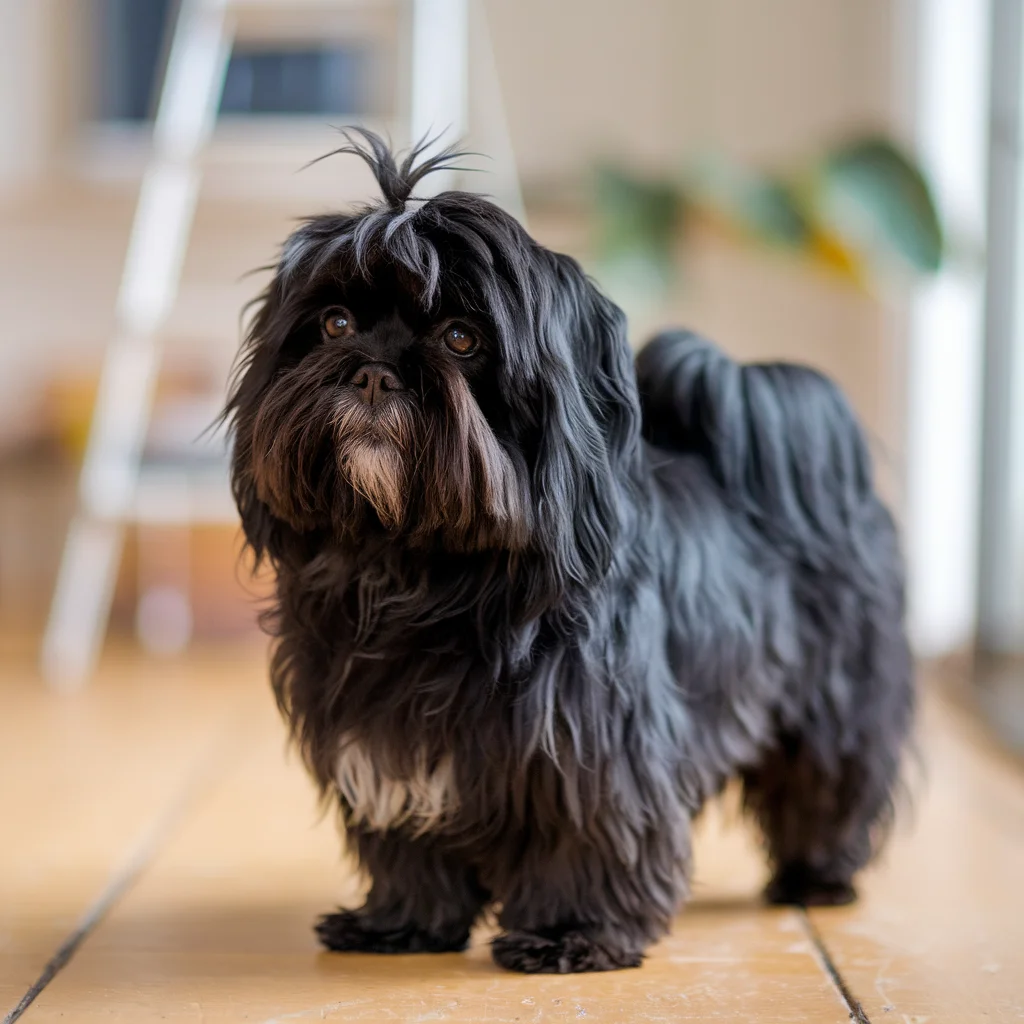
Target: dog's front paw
560, 953
357, 932
802, 886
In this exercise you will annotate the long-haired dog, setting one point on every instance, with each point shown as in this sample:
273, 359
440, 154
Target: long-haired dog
536, 604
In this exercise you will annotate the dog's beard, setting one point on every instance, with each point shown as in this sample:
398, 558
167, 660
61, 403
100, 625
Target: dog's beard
374, 446
464, 472
425, 465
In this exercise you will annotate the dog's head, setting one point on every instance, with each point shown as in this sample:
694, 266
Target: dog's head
425, 371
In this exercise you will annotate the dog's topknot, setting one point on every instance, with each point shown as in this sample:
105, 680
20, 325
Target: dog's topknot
401, 230
397, 180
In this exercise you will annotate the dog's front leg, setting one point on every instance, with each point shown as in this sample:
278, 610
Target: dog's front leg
421, 899
592, 904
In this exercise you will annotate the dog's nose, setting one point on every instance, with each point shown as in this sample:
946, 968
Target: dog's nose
375, 382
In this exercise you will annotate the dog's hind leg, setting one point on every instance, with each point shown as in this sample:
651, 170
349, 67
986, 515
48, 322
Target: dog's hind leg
421, 900
816, 823
823, 793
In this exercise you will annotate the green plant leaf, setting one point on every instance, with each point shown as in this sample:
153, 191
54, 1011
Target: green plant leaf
763, 206
637, 220
772, 211
871, 194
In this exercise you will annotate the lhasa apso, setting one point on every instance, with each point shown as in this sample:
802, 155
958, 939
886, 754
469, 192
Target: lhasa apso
536, 603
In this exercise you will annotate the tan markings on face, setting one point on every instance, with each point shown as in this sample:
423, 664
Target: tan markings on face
501, 495
372, 453
377, 472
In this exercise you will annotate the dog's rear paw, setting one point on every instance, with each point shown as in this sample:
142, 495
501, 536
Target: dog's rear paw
355, 932
560, 953
800, 885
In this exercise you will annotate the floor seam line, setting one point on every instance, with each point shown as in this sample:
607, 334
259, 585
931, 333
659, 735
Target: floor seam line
121, 880
852, 1003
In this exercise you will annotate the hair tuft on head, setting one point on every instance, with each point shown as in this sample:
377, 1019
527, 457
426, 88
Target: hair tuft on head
397, 180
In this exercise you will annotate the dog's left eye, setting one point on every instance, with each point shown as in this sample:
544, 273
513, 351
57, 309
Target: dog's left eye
460, 341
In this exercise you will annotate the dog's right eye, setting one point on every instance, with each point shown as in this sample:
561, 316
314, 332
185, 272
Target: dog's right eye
338, 323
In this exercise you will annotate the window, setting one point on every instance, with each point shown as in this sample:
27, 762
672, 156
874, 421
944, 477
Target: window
263, 78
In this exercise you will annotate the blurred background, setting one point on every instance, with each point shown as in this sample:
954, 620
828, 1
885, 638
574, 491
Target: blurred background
834, 181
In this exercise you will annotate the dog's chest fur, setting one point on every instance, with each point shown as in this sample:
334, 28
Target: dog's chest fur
421, 800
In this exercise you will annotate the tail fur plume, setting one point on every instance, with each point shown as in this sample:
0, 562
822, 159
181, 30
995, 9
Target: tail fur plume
781, 440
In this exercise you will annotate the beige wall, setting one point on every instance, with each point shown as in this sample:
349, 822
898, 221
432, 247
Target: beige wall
26, 91
765, 79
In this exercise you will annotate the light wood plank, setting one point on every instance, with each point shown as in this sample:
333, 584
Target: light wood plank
88, 779
219, 930
939, 934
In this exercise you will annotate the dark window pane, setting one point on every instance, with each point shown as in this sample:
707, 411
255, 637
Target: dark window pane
261, 79
131, 45
309, 81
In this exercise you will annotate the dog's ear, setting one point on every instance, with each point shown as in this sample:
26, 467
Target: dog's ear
253, 373
585, 396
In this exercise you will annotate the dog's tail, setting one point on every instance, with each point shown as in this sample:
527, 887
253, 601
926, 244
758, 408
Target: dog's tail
780, 439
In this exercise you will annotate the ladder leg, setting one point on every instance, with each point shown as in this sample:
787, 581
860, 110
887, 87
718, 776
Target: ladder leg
92, 549
81, 601
439, 78
149, 284
488, 119
450, 45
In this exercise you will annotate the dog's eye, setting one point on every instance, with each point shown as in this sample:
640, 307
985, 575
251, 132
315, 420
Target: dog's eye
460, 341
338, 323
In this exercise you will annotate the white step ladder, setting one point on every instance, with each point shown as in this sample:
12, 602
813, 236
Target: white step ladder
115, 488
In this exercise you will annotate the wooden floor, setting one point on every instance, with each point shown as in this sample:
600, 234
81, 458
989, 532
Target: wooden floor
157, 838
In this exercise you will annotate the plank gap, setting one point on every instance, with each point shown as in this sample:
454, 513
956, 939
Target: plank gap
853, 1005
123, 878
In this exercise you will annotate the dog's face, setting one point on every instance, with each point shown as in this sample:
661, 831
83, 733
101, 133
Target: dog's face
384, 411
426, 372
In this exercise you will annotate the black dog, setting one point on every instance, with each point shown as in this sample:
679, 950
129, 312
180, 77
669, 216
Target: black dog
535, 605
